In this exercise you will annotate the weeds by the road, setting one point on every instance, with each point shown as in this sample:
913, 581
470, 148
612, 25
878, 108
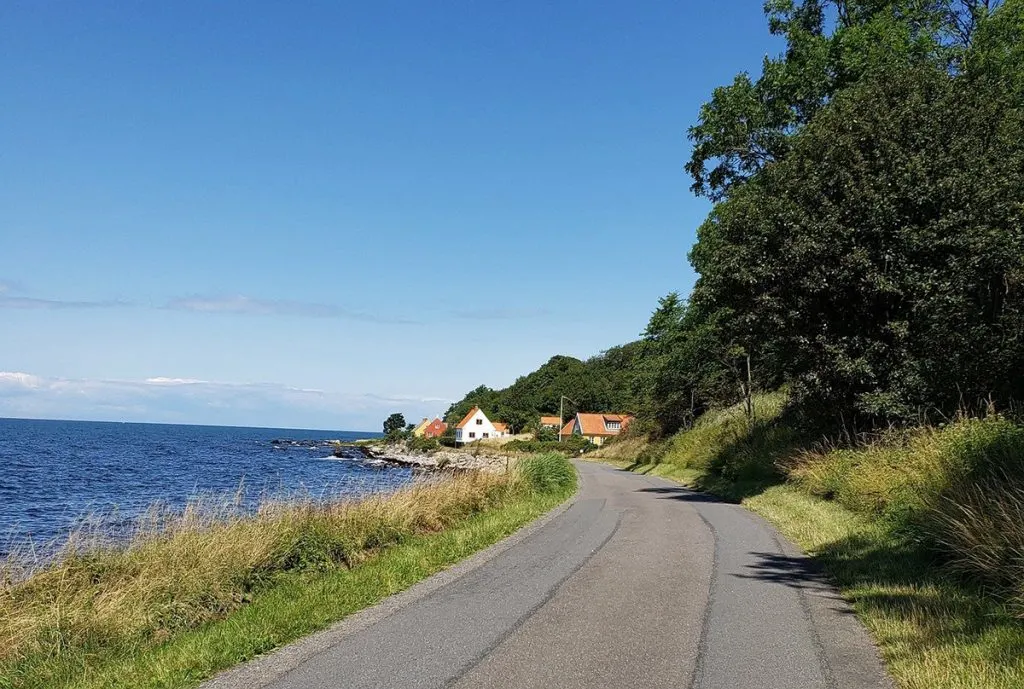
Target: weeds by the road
185, 601
923, 530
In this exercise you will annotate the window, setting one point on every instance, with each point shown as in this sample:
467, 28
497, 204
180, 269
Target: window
479, 422
472, 435
487, 435
612, 425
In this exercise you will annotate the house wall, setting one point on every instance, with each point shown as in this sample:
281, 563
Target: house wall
474, 431
434, 430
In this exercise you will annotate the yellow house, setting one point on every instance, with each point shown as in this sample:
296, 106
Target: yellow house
420, 428
596, 427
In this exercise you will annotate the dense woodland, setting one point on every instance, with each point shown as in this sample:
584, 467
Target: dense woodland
866, 247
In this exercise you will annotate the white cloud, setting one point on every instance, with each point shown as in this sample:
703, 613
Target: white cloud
189, 400
240, 304
499, 314
17, 379
55, 304
160, 380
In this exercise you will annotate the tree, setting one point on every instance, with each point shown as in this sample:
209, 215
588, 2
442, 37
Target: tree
879, 264
749, 123
394, 424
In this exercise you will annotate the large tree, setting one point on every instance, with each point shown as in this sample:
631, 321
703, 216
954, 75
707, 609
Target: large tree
879, 262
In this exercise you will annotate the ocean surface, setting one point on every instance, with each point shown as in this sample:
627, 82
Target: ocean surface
57, 475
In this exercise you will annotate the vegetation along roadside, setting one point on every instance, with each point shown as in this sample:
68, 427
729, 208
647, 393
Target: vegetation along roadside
201, 595
921, 529
850, 361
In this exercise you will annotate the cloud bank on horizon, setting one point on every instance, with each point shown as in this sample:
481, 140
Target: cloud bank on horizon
14, 297
181, 400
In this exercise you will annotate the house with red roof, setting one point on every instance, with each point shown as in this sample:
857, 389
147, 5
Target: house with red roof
430, 429
476, 426
550, 422
596, 428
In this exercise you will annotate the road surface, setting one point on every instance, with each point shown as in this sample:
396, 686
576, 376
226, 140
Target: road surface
638, 583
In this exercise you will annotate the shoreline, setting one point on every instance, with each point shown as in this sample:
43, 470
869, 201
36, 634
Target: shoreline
445, 458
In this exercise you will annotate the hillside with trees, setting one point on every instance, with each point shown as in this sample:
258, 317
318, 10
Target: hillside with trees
866, 247
601, 383
850, 362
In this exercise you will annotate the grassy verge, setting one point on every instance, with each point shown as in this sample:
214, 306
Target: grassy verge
922, 531
134, 618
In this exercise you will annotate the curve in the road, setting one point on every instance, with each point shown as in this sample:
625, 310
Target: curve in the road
639, 583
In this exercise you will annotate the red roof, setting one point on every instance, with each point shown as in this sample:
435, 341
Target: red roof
596, 424
435, 429
465, 420
567, 430
550, 421
498, 426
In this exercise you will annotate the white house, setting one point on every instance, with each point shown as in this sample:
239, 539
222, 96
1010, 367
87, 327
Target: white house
476, 426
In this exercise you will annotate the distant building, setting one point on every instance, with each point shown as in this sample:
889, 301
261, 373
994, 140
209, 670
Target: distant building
550, 422
596, 427
435, 429
476, 426
420, 429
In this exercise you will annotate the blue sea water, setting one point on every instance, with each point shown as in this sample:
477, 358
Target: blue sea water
54, 473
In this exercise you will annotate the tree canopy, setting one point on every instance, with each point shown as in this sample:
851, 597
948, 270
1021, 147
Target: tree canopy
866, 246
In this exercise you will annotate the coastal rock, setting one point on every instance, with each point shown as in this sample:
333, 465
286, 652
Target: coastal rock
445, 458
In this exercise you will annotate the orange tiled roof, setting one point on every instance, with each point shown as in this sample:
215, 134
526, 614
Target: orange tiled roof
498, 426
594, 424
567, 429
550, 421
467, 417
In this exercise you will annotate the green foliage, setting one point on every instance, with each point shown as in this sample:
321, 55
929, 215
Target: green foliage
602, 383
547, 435
546, 473
902, 476
877, 262
727, 451
448, 437
419, 444
394, 425
571, 445
959, 489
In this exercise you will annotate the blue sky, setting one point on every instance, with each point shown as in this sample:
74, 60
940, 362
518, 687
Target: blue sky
312, 214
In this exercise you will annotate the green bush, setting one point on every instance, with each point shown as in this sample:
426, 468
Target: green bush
959, 488
547, 435
547, 473
423, 444
571, 445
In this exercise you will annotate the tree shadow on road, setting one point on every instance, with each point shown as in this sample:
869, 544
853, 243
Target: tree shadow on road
897, 583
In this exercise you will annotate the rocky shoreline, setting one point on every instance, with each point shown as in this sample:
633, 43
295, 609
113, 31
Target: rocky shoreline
444, 458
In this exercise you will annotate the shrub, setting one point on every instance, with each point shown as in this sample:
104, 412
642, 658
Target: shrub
902, 474
959, 488
547, 473
547, 435
572, 445
423, 444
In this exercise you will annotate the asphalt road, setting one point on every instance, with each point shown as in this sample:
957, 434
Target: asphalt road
639, 583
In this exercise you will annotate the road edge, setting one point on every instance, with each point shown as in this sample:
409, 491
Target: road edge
266, 669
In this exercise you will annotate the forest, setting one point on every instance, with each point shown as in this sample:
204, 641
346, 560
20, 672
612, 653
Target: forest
866, 245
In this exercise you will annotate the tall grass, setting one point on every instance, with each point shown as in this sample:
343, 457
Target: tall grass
959, 487
726, 451
90, 605
922, 529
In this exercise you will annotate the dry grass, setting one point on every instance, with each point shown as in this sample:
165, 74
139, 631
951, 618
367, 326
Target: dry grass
923, 530
183, 572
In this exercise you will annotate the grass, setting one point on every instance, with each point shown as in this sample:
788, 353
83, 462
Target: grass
934, 631
923, 531
181, 604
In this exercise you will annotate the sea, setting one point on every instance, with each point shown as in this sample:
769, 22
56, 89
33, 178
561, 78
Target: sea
61, 476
